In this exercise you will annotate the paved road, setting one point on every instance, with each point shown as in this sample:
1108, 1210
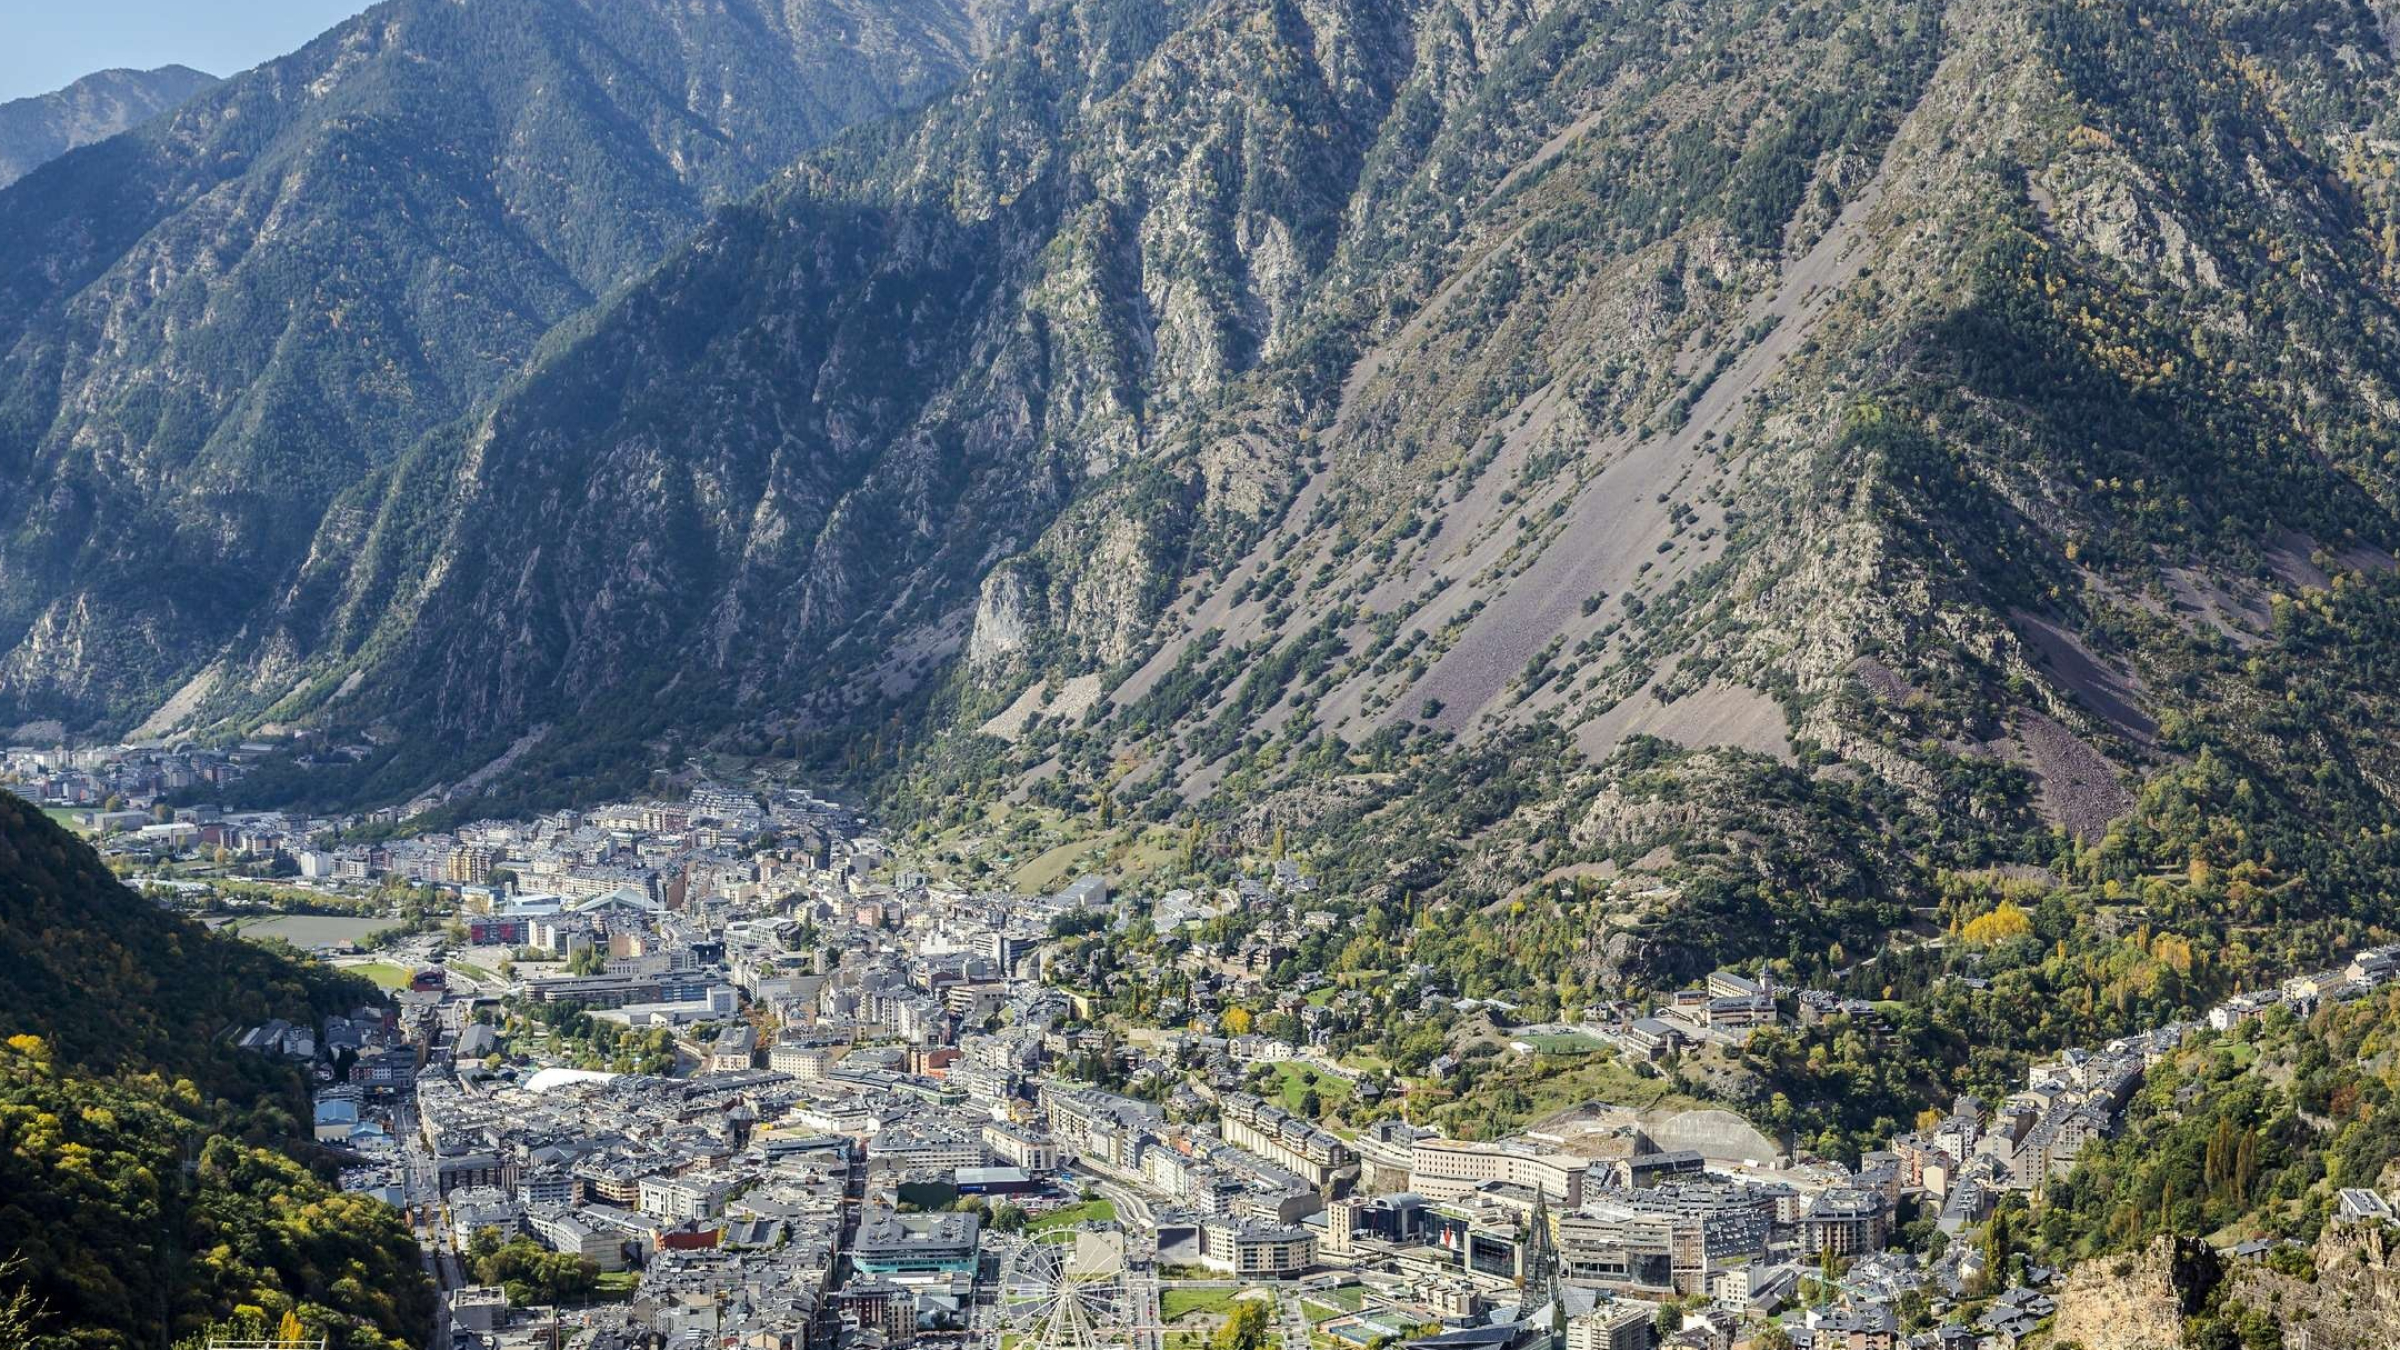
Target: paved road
1142, 1310
420, 1185
1293, 1322
1133, 1208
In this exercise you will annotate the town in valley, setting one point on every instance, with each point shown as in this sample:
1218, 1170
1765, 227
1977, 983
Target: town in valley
721, 1067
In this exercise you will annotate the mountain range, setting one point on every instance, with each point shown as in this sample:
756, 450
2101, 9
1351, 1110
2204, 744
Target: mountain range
214, 326
1900, 493
36, 130
1815, 445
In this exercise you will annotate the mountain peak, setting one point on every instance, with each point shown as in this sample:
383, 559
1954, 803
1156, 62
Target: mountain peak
40, 128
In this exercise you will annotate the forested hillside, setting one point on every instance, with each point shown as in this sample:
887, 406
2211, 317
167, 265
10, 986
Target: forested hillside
2248, 1135
2250, 1132
148, 1182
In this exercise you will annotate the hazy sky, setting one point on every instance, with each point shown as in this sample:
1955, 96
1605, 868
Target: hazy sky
49, 43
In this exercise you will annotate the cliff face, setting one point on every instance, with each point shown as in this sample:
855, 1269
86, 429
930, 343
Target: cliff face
1125, 256
2137, 1301
214, 327
2346, 1298
785, 461
2354, 1299
34, 131
1881, 392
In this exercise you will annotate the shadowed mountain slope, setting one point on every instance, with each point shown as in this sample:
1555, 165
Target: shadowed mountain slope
213, 326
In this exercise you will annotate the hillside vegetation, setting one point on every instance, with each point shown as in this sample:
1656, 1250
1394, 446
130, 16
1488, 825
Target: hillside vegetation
151, 1186
2241, 1137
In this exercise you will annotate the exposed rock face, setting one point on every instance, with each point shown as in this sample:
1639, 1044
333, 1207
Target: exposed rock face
34, 131
750, 444
1001, 617
1311, 372
2137, 1301
2352, 1304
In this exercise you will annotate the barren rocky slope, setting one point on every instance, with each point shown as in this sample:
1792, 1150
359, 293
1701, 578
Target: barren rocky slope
2347, 1297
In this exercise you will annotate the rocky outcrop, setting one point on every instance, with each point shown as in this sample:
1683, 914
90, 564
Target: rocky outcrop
2345, 1294
1310, 376
218, 329
2136, 1301
2351, 1303
747, 462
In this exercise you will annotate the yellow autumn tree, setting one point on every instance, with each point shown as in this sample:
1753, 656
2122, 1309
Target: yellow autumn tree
2004, 921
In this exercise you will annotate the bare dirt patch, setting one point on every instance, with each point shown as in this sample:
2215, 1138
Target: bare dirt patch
178, 709
1716, 714
1068, 701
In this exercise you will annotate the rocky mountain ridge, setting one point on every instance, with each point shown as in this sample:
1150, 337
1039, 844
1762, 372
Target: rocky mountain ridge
2345, 1295
38, 129
215, 326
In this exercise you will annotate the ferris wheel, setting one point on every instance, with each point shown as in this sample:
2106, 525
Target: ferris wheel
1048, 1302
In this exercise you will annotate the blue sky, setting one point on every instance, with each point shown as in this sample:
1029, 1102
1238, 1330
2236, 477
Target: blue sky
50, 43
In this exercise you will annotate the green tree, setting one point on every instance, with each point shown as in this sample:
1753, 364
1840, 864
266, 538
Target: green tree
1246, 1327
534, 1274
1999, 1247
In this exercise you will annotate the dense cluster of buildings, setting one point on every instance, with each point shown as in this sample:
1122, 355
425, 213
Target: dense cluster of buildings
854, 1086
121, 779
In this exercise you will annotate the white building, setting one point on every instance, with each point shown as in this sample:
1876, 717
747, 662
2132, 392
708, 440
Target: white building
1250, 1249
1446, 1169
679, 1198
562, 1231
1614, 1326
1020, 1147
